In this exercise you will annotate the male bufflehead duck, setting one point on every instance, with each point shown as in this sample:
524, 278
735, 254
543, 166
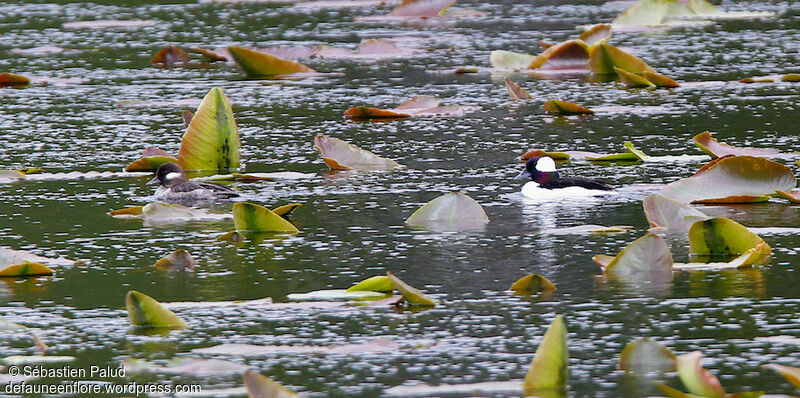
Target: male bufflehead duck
173, 186
546, 183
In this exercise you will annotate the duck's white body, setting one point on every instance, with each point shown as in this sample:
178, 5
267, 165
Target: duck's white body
532, 190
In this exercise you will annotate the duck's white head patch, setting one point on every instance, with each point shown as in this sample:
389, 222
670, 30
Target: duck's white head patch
172, 176
546, 164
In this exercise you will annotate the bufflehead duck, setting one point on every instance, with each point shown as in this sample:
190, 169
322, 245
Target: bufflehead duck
547, 184
173, 186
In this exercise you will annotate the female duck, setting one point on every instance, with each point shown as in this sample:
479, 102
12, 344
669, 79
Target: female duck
546, 183
173, 186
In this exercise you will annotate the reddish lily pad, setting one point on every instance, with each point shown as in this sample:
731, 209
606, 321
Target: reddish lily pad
566, 108
341, 155
671, 215
571, 54
257, 64
538, 152
11, 79
597, 34
210, 55
646, 355
211, 141
549, 368
170, 56
128, 212
417, 106
715, 148
515, 91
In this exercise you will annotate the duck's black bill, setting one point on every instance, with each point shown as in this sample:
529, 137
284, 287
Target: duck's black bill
154, 181
525, 174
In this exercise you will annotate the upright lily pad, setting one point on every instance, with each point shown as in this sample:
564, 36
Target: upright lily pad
642, 13
571, 54
378, 283
715, 148
149, 163
632, 79
734, 179
178, 260
410, 294
549, 368
341, 155
646, 355
145, 311
722, 236
502, 59
211, 141
256, 64
648, 258
597, 34
251, 217
285, 210
565, 108
453, 209
605, 57
672, 215
697, 380
260, 386
515, 91
660, 80
170, 56
791, 373
533, 283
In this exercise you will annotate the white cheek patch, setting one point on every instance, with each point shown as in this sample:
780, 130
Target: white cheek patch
172, 176
546, 165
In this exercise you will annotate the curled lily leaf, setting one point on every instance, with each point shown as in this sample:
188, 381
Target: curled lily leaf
178, 260
606, 57
260, 386
452, 210
697, 380
791, 373
515, 91
549, 368
257, 64
674, 216
565, 108
211, 141
378, 283
170, 56
533, 283
646, 355
341, 155
722, 236
648, 256
145, 311
252, 217
411, 294
715, 148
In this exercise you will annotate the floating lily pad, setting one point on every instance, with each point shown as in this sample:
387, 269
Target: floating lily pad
571, 55
747, 258
734, 179
565, 108
791, 373
210, 55
256, 64
549, 368
660, 80
337, 294
538, 152
341, 155
144, 311
586, 229
163, 212
251, 350
722, 236
606, 57
673, 216
211, 141
715, 148
646, 355
25, 269
533, 283
515, 91
411, 295
177, 260
792, 196
697, 380
252, 217
452, 210
22, 360
648, 258
502, 59
421, 8
14, 257
169, 56
11, 79
378, 283
418, 106
260, 386
186, 366
632, 79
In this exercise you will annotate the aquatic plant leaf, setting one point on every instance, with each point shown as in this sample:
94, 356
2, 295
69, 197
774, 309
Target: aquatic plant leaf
163, 212
260, 386
715, 148
421, 8
586, 229
648, 256
211, 141
21, 360
642, 13
252, 217
25, 269
747, 258
455, 209
378, 283
538, 152
673, 393
792, 196
672, 215
565, 108
510, 388
285, 210
15, 257
732, 177
660, 80
109, 23
502, 59
6, 325
155, 151
9, 176
419, 102
597, 34
341, 155
178, 260
515, 91
571, 54
11, 79
722, 236
257, 64
169, 56
145, 311
615, 157
791, 373
605, 57
411, 294
337, 294
186, 366
701, 7
646, 355
212, 56
549, 368
149, 163
533, 283
631, 79
697, 380
792, 77
423, 105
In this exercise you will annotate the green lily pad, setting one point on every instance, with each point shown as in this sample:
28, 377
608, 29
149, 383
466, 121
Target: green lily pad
252, 217
606, 57
646, 355
722, 236
697, 380
671, 215
660, 80
565, 108
549, 368
285, 210
145, 311
502, 59
411, 295
25, 269
378, 283
260, 386
632, 79
455, 210
337, 294
341, 155
256, 64
648, 257
533, 283
747, 258
211, 141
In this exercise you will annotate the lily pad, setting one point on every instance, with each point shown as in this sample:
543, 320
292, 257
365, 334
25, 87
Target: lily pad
586, 229
162, 212
697, 380
515, 91
646, 355
565, 108
648, 258
660, 80
378, 283
341, 155
734, 179
671, 215
169, 56
256, 64
792, 196
549, 368
11, 79
454, 210
421, 8
632, 79
791, 373
411, 295
285, 210
22, 360
211, 141
25, 269
747, 258
178, 260
502, 59
260, 386
715, 148
418, 106
606, 57
186, 366
210, 55
144, 311
252, 217
13, 257
533, 283
722, 236
597, 34
538, 152
149, 163
336, 294
568, 55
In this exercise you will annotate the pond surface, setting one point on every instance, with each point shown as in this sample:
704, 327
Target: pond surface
352, 223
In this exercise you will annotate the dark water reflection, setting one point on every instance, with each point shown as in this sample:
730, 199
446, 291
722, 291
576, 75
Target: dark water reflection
352, 223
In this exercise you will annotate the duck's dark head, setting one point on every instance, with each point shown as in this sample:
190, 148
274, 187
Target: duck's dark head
168, 174
540, 169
